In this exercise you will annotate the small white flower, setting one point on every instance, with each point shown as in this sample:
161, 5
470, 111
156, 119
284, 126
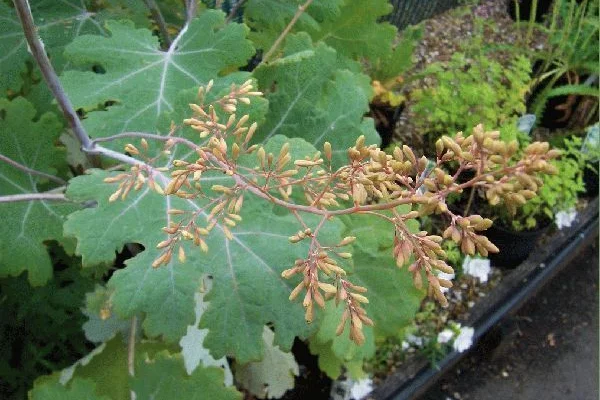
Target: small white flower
477, 267
405, 345
445, 336
416, 340
564, 219
464, 340
361, 389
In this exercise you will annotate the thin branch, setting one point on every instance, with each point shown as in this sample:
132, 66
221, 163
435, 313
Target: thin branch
240, 180
287, 30
131, 351
247, 184
115, 155
32, 171
13, 198
36, 47
234, 10
160, 21
144, 135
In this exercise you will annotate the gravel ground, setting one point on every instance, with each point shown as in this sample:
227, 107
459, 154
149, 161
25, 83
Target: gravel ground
446, 34
548, 350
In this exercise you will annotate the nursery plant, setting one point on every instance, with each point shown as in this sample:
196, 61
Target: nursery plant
567, 63
223, 213
472, 90
559, 192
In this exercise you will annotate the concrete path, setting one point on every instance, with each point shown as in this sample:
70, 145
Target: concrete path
547, 351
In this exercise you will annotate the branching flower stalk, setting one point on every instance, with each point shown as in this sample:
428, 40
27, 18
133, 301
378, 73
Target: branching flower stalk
372, 183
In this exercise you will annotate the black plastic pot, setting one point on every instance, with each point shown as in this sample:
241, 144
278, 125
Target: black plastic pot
590, 180
514, 246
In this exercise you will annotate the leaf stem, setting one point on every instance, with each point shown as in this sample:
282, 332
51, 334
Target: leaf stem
36, 47
131, 346
190, 10
287, 30
160, 21
13, 198
131, 351
32, 171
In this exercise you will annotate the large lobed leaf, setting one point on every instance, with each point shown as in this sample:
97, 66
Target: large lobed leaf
164, 378
268, 18
76, 390
28, 225
140, 81
57, 23
312, 97
357, 31
159, 374
248, 289
352, 27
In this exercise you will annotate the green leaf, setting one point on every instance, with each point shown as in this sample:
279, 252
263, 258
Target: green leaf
393, 299
399, 60
311, 98
57, 24
28, 225
107, 367
140, 81
273, 375
268, 18
101, 327
192, 344
164, 378
166, 294
248, 289
567, 90
78, 389
335, 351
351, 27
356, 32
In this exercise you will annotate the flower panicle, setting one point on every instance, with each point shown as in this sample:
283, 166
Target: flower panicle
372, 183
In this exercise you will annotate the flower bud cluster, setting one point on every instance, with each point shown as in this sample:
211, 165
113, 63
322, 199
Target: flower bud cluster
372, 183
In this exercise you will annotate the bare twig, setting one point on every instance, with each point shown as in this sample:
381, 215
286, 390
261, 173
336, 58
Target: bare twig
234, 10
36, 47
13, 198
32, 171
160, 21
287, 30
